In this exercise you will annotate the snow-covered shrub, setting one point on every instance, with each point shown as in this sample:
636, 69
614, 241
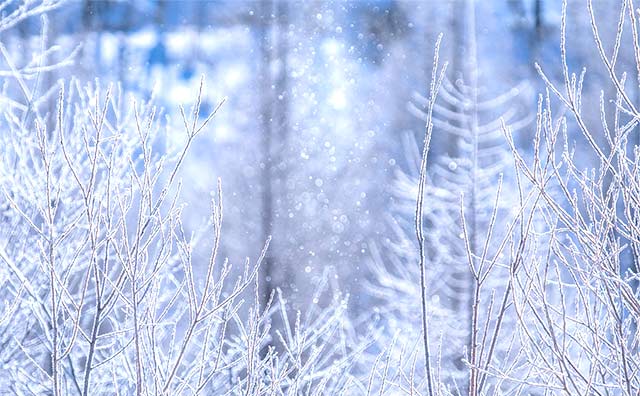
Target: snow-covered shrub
101, 291
466, 179
549, 293
577, 304
98, 275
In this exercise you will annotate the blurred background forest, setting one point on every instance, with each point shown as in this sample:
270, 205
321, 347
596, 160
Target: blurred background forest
318, 143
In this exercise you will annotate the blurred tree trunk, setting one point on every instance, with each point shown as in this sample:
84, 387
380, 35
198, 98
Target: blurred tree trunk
464, 69
539, 18
91, 23
273, 23
123, 50
457, 21
470, 73
538, 34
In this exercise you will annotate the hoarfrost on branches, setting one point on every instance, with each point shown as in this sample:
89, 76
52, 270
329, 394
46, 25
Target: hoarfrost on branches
392, 223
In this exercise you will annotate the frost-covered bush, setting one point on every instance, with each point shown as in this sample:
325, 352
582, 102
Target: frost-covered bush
577, 301
101, 290
98, 278
551, 301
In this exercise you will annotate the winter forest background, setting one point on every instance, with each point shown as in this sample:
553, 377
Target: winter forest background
279, 197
